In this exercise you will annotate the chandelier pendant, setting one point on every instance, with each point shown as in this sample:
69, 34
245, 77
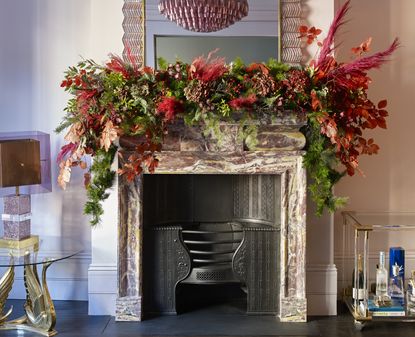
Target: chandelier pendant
204, 15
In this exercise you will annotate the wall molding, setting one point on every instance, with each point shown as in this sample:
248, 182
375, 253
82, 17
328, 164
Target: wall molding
321, 289
102, 289
67, 279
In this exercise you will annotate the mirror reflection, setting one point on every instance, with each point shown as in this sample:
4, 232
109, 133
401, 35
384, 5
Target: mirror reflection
254, 39
187, 48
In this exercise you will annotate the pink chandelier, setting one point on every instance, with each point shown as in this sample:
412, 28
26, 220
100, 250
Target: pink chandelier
204, 15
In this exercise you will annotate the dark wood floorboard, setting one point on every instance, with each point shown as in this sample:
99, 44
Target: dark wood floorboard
73, 321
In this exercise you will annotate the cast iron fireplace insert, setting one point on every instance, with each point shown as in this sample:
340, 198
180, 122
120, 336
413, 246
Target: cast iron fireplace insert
211, 230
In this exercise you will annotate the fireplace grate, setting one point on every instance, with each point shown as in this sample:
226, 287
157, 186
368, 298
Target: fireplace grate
211, 247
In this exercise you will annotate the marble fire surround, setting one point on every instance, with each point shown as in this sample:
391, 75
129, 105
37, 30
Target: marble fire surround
286, 163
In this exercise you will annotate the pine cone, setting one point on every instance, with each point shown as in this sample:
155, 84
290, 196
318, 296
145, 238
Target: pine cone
263, 84
174, 70
200, 92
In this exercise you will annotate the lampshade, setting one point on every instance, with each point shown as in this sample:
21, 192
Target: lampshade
19, 162
45, 186
204, 15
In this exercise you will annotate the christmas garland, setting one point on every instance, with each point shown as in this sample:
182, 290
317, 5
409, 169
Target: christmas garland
121, 98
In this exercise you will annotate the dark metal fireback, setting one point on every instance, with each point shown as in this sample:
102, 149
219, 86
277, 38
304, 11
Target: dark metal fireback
211, 230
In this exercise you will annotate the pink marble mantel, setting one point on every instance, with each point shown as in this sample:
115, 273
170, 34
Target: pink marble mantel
287, 164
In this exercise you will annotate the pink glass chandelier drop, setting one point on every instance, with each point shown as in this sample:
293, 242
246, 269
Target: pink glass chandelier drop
204, 15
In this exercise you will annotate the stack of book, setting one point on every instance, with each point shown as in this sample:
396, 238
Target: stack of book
396, 308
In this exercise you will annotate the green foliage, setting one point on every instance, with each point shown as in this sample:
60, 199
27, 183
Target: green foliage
102, 180
224, 108
320, 161
162, 63
123, 99
277, 69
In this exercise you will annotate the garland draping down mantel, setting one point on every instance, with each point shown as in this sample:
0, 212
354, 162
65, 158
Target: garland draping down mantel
124, 99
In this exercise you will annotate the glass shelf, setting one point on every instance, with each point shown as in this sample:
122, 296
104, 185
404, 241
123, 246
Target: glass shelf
380, 220
44, 249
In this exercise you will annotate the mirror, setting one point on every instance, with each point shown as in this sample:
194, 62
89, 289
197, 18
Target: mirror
187, 48
271, 27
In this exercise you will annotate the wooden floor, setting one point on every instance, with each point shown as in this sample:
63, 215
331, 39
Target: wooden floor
73, 321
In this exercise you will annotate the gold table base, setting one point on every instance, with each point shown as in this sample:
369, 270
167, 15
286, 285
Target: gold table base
40, 312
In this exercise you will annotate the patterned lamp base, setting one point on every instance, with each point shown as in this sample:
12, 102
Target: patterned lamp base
16, 217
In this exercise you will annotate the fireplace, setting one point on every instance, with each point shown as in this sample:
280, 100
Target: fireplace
212, 232
281, 231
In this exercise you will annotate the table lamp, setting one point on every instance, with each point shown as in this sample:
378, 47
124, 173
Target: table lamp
19, 166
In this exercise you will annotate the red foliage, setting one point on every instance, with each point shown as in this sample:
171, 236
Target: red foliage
209, 69
65, 150
170, 107
327, 45
243, 102
144, 156
351, 111
117, 65
347, 74
363, 47
309, 33
257, 67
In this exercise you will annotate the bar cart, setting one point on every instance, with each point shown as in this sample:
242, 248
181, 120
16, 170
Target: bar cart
356, 229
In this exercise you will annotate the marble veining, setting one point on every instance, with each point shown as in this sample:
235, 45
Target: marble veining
287, 164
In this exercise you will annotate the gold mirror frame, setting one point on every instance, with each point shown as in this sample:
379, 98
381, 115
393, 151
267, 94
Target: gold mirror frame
289, 21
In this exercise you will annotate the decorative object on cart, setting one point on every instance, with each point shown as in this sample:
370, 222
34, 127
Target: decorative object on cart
396, 288
397, 256
124, 98
359, 289
381, 277
204, 15
410, 295
393, 308
24, 170
19, 165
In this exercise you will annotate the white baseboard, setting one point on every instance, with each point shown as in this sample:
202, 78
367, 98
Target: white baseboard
102, 294
73, 280
321, 290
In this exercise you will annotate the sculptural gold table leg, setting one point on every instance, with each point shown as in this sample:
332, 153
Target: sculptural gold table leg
6, 283
40, 312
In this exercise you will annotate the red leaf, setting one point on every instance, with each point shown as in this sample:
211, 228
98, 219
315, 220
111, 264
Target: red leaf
356, 50
383, 113
381, 122
382, 104
303, 29
365, 46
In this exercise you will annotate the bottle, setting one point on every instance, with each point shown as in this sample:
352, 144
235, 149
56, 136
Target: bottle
396, 289
359, 290
381, 277
410, 299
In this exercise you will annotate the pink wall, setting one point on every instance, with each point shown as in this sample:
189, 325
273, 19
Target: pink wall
389, 182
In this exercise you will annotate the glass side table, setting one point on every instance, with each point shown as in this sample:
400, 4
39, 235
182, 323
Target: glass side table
40, 315
356, 229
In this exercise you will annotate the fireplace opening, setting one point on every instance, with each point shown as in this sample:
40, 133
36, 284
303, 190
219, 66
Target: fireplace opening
211, 240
